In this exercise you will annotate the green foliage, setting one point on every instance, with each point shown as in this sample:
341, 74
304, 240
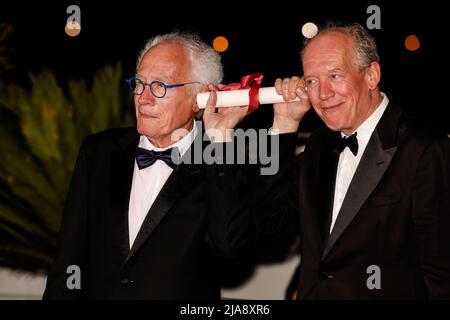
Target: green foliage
41, 129
5, 52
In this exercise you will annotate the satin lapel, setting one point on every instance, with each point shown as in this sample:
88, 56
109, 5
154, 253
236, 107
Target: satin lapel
327, 178
315, 183
121, 178
178, 183
374, 162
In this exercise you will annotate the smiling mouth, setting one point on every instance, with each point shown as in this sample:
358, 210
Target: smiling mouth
146, 115
331, 108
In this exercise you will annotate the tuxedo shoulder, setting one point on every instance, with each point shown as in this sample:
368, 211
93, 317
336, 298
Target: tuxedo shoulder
109, 136
424, 132
320, 134
321, 131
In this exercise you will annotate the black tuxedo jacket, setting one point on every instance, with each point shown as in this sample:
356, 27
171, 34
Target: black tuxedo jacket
175, 252
395, 216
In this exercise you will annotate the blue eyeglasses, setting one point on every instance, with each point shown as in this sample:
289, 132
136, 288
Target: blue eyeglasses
157, 88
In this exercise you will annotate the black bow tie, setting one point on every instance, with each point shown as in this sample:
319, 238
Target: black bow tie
351, 142
146, 158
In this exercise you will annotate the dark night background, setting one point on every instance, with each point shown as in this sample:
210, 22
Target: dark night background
263, 38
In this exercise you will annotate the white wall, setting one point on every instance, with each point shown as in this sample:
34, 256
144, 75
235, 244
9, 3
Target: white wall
20, 285
268, 282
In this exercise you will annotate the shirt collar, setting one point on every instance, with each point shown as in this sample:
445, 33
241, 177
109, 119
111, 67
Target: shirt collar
365, 130
183, 145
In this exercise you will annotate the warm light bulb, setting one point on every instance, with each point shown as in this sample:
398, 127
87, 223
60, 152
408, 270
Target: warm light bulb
309, 30
412, 43
220, 44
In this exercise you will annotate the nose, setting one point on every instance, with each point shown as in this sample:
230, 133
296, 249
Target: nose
147, 97
325, 90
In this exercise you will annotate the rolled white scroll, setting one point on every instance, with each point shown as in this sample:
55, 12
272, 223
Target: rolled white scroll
235, 98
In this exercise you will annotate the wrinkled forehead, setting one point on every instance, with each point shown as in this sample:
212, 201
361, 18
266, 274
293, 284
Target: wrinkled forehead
331, 49
166, 59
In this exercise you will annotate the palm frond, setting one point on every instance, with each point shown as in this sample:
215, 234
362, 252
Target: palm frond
41, 128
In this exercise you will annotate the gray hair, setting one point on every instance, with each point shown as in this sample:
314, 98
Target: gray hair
206, 67
365, 46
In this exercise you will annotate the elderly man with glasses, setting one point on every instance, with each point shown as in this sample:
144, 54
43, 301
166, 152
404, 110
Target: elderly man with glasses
137, 224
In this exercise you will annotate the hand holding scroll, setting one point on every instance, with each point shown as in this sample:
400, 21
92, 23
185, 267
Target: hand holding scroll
218, 124
288, 114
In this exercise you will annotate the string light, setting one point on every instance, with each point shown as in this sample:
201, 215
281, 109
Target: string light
220, 44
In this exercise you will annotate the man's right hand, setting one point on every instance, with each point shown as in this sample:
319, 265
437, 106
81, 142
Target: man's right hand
287, 115
219, 125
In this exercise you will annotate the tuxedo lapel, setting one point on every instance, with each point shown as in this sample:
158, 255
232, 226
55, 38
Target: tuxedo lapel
121, 178
374, 163
327, 178
178, 183
315, 188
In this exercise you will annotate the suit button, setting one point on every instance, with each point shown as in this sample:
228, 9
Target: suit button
325, 275
126, 281
220, 169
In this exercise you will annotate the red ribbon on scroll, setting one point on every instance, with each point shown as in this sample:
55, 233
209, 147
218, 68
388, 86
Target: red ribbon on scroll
252, 82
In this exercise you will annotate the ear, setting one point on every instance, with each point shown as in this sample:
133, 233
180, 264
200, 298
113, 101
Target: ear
195, 107
373, 75
204, 89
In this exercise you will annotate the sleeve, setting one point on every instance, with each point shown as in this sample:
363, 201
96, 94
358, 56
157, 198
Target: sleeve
68, 265
254, 202
431, 217
231, 226
275, 195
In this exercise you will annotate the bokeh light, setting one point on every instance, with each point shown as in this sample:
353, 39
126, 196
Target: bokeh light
412, 43
220, 44
309, 30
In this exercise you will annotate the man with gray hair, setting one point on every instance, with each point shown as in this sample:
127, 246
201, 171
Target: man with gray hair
137, 223
370, 193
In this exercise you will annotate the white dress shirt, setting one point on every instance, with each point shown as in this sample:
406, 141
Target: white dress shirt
148, 182
348, 162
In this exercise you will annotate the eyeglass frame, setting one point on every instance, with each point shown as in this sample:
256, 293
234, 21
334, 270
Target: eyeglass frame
166, 86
